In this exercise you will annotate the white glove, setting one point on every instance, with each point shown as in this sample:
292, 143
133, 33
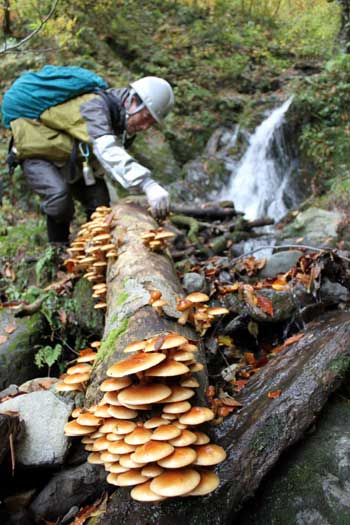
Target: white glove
158, 198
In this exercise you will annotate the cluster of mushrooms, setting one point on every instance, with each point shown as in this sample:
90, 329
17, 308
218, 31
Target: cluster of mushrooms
90, 251
161, 456
77, 376
157, 239
194, 310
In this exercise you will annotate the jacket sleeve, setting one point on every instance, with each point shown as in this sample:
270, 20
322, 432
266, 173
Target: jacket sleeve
112, 156
118, 163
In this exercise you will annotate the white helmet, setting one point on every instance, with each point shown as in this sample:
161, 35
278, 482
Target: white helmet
156, 94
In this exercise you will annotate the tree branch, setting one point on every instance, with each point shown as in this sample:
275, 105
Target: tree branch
7, 49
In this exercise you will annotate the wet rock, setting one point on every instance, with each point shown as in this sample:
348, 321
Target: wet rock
37, 384
193, 282
310, 485
11, 390
17, 352
44, 415
69, 488
333, 293
314, 225
283, 304
280, 262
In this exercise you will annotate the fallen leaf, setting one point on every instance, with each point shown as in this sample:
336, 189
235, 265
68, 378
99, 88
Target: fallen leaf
250, 358
273, 395
230, 401
265, 304
225, 340
10, 328
239, 384
293, 339
3, 339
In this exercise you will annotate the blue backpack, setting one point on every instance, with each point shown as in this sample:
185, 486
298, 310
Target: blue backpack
34, 92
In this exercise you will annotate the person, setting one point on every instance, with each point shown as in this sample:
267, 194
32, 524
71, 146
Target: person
74, 144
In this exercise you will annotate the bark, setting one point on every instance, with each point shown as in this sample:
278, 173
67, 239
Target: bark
214, 212
254, 438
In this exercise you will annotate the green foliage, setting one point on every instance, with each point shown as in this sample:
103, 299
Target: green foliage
45, 266
48, 355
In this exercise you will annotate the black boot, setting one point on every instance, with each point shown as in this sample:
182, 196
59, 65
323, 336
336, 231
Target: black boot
57, 232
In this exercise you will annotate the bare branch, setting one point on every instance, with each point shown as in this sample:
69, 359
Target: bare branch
7, 49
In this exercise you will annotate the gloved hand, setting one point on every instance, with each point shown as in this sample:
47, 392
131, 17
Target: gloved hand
157, 197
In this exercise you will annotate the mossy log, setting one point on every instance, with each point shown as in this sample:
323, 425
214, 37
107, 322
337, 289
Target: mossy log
130, 278
302, 376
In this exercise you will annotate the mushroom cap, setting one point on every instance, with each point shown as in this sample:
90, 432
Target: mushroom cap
111, 398
102, 411
209, 455
126, 461
197, 367
144, 493
63, 387
155, 422
109, 425
88, 419
190, 382
95, 344
197, 297
208, 483
179, 407
144, 393
169, 368
132, 477
173, 340
164, 235
182, 355
135, 346
201, 438
139, 436
117, 468
87, 357
76, 378
136, 363
183, 305
176, 482
124, 427
152, 470
166, 432
154, 295
189, 347
152, 451
101, 443
170, 417
120, 447
178, 393
159, 303
73, 428
122, 412
217, 310
197, 416
181, 457
94, 458
114, 437
100, 305
107, 456
81, 368
113, 384
184, 439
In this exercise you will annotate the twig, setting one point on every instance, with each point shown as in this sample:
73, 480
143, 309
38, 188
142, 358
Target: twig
33, 33
13, 457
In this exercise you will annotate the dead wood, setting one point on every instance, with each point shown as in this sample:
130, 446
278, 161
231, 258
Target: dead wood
302, 376
213, 212
10, 428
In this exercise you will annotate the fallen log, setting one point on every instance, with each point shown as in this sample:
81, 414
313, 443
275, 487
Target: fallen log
279, 404
214, 212
130, 279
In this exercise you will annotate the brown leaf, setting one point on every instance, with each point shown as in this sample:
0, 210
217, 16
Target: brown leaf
62, 316
293, 339
10, 328
265, 304
239, 384
249, 295
230, 402
273, 395
250, 358
3, 339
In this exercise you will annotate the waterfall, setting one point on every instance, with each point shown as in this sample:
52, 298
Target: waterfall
261, 182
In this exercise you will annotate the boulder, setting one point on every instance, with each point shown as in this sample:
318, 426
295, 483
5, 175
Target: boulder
280, 262
315, 225
17, 352
69, 488
311, 485
44, 415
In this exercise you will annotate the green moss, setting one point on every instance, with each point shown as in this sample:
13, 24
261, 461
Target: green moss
266, 438
108, 346
340, 365
122, 297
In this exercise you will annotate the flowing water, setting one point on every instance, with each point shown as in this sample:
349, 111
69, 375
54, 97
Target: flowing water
261, 183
